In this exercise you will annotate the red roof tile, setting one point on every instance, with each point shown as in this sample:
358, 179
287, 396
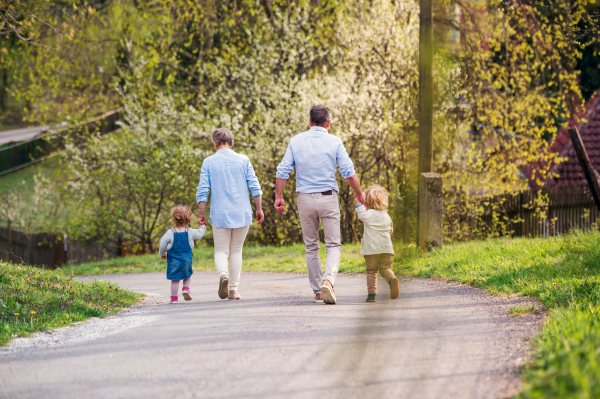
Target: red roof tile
570, 172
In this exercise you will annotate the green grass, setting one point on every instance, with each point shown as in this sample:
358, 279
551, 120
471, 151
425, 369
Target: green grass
33, 299
256, 258
564, 274
22, 179
521, 310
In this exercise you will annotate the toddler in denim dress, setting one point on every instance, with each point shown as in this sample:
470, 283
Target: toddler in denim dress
176, 247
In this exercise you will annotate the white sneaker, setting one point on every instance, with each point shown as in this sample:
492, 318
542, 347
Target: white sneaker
234, 296
328, 293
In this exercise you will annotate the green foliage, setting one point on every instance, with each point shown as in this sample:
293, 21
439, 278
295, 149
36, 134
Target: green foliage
122, 186
519, 85
505, 80
564, 274
33, 299
67, 73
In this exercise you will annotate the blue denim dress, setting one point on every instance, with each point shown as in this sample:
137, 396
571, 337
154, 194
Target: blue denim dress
179, 257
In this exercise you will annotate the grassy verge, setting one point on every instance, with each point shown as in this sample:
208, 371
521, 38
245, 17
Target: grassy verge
563, 273
256, 258
22, 180
33, 299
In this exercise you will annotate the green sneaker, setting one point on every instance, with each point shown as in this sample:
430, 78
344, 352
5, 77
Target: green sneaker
372, 298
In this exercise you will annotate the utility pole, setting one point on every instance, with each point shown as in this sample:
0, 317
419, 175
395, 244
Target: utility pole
426, 87
425, 107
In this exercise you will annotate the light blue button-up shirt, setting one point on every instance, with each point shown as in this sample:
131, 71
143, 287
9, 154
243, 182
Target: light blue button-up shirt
315, 155
228, 175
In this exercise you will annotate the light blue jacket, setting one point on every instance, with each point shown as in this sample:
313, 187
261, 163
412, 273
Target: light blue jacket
315, 154
228, 175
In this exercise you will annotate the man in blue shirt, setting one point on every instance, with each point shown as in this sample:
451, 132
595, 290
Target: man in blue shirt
316, 154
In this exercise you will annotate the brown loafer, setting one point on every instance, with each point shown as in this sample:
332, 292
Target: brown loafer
319, 298
223, 283
328, 293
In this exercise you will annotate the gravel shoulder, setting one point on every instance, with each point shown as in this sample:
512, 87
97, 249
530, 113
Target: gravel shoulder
439, 339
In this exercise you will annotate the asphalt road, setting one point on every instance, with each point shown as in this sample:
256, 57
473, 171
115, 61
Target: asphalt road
438, 340
14, 135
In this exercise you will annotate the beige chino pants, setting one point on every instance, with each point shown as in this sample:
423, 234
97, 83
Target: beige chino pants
383, 263
322, 209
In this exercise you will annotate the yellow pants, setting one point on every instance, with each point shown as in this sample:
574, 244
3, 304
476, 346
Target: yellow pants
382, 263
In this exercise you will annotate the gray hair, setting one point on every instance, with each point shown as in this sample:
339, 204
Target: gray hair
222, 136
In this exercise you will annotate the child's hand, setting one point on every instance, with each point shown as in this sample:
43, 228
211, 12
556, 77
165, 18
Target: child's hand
163, 256
357, 200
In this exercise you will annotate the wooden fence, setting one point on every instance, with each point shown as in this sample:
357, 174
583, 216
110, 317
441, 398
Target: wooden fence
545, 212
48, 250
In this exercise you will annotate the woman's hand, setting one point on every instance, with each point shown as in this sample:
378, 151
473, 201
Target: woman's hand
202, 221
260, 216
202, 214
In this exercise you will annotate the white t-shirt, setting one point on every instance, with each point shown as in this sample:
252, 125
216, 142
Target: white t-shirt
377, 237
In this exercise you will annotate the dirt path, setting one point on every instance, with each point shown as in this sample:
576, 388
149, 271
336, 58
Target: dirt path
438, 340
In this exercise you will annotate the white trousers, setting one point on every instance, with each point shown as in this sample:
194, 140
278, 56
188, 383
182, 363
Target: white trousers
228, 247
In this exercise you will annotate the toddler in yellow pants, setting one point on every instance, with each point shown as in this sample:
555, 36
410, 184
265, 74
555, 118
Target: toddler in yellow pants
377, 245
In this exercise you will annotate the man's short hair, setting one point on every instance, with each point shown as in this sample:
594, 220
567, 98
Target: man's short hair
320, 114
222, 136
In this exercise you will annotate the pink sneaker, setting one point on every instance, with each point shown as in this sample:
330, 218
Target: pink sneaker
185, 291
174, 299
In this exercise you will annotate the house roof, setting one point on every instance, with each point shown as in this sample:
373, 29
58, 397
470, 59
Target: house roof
570, 172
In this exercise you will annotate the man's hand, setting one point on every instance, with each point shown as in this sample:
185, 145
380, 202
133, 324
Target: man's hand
202, 221
280, 205
355, 185
260, 216
163, 256
360, 198
279, 202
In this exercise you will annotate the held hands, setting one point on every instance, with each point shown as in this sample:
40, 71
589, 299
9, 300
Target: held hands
163, 256
280, 205
202, 221
360, 198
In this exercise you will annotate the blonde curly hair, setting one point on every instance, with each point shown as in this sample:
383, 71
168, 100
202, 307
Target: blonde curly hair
376, 197
181, 215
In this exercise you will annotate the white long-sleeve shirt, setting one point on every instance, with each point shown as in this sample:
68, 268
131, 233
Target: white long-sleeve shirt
377, 237
166, 242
